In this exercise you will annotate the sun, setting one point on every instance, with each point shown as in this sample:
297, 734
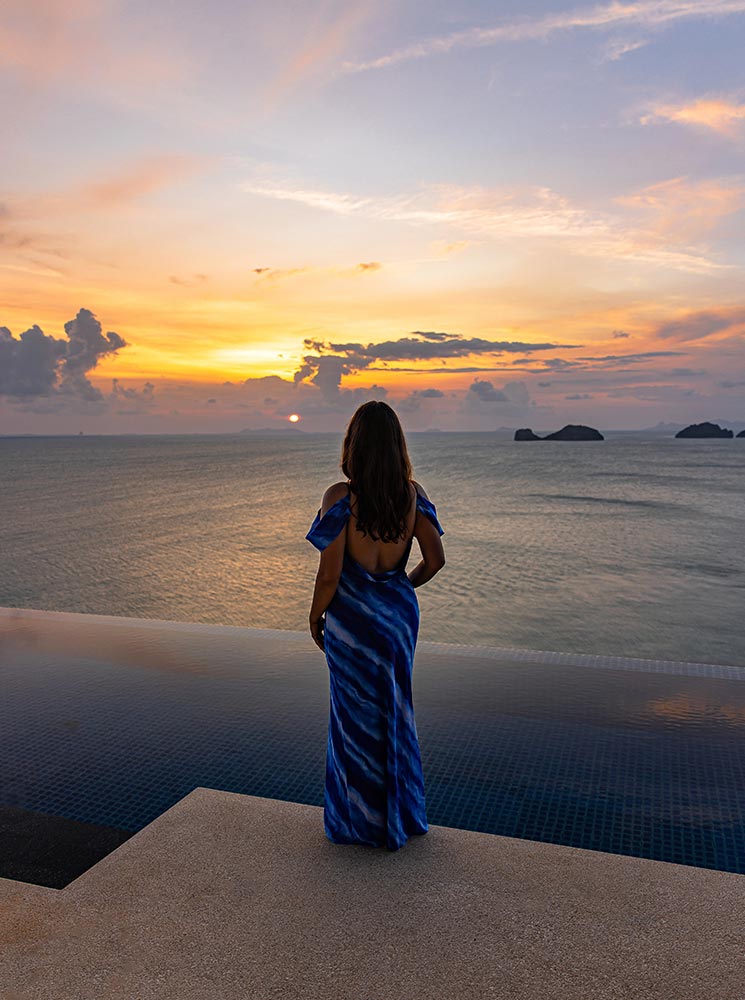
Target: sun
293, 418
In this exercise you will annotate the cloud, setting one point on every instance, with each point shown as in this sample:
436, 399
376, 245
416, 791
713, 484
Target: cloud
485, 391
630, 358
329, 201
278, 273
621, 333
272, 274
651, 393
113, 189
36, 365
636, 13
138, 400
723, 115
188, 282
485, 399
323, 42
616, 48
670, 214
580, 395
444, 249
271, 397
728, 384
413, 402
70, 43
424, 347
332, 361
433, 335
129, 183
530, 210
698, 325
680, 210
556, 364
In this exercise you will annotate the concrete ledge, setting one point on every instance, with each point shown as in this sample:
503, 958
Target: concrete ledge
228, 896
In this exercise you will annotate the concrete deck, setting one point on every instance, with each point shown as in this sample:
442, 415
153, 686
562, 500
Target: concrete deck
230, 896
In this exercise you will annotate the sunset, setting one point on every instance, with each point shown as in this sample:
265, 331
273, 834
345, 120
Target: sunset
488, 216
372, 463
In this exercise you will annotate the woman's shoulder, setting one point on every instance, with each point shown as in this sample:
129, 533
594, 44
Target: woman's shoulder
333, 494
419, 488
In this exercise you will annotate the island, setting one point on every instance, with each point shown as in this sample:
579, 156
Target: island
741, 434
570, 432
704, 430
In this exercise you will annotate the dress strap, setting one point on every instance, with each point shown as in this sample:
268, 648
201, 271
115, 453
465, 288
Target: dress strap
325, 529
426, 507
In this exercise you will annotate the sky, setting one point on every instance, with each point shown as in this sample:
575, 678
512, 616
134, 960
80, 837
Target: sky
491, 215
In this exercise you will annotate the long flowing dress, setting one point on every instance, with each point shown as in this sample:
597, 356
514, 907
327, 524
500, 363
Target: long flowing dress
374, 792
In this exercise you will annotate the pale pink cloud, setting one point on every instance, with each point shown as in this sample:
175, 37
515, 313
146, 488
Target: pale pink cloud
121, 185
85, 42
678, 209
326, 39
723, 115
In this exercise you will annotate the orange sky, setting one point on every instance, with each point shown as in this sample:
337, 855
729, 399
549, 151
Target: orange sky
353, 175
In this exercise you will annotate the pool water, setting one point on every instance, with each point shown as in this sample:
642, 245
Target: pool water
111, 721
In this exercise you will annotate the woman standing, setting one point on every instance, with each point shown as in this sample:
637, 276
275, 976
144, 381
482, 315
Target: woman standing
365, 617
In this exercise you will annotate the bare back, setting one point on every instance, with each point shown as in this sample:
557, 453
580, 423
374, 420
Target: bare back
378, 556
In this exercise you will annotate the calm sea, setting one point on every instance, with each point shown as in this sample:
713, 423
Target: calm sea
632, 546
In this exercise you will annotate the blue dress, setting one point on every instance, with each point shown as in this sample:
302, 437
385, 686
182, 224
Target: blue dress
374, 790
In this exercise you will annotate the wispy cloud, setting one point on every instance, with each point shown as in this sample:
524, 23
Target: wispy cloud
660, 237
698, 325
643, 13
325, 40
46, 42
119, 186
723, 115
617, 48
133, 181
274, 274
680, 210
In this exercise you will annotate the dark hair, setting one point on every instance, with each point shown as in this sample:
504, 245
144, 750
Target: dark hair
375, 460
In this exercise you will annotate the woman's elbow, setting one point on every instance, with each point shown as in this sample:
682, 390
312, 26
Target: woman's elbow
436, 563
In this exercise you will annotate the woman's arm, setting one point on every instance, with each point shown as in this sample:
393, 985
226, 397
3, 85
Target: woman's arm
329, 569
433, 554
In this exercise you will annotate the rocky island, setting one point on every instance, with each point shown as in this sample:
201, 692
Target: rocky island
704, 430
570, 432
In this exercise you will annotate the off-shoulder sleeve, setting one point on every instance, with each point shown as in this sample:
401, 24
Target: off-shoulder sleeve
325, 529
426, 507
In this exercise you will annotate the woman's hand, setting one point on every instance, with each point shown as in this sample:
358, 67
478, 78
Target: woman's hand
316, 630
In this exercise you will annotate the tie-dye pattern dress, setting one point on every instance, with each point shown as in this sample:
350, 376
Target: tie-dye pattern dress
374, 790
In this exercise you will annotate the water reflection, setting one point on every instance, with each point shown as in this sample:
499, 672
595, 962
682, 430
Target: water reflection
112, 721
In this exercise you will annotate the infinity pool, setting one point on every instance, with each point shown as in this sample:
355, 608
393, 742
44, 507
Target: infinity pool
107, 722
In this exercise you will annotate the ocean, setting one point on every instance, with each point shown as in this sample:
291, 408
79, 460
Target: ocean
633, 546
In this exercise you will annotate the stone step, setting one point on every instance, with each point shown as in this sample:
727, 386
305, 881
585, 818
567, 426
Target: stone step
231, 896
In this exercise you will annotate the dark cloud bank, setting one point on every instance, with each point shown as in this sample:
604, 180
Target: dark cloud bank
37, 365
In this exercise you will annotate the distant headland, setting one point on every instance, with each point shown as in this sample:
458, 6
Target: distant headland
570, 432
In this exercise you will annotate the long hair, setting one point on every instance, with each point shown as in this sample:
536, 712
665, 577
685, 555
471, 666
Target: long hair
375, 460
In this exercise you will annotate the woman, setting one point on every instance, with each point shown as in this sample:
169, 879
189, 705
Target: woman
365, 617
